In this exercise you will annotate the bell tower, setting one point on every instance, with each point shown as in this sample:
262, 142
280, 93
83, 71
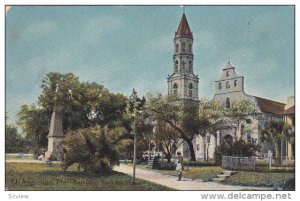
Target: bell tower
183, 83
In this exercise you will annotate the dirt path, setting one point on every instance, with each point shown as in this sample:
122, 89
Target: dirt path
185, 184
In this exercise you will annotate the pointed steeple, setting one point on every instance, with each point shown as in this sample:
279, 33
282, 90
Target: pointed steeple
183, 83
183, 28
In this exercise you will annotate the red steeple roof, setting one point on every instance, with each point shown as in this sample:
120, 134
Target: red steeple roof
183, 28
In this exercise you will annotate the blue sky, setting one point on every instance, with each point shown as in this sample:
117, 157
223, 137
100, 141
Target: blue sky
125, 47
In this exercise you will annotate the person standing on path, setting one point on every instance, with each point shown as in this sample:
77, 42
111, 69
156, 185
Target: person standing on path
179, 165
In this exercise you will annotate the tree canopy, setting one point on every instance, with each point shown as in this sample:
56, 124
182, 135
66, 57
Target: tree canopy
81, 104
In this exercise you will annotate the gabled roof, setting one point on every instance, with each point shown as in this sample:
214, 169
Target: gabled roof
270, 106
290, 110
183, 28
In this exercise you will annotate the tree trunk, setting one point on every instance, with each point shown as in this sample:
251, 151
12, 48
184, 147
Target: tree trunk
185, 138
191, 148
167, 152
278, 157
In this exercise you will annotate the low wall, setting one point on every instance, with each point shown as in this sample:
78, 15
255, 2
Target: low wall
238, 163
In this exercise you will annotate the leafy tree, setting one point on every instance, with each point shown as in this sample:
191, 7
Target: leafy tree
14, 142
82, 104
240, 112
34, 123
289, 133
212, 112
275, 132
168, 138
94, 149
184, 118
127, 147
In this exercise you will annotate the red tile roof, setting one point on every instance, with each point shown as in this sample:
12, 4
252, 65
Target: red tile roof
290, 110
270, 106
183, 28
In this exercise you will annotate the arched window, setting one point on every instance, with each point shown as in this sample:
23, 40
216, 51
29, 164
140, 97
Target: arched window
227, 103
227, 74
177, 48
228, 139
220, 85
235, 83
191, 90
183, 64
190, 47
249, 138
183, 47
176, 66
175, 90
190, 65
227, 85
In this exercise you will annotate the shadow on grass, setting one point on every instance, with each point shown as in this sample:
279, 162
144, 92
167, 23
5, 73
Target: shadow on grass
39, 177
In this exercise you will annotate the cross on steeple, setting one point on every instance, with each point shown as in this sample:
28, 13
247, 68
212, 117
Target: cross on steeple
183, 9
229, 58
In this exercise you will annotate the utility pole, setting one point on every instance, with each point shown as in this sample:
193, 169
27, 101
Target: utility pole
134, 157
135, 106
149, 149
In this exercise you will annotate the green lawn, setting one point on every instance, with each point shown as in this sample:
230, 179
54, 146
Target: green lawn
202, 173
19, 157
266, 179
36, 176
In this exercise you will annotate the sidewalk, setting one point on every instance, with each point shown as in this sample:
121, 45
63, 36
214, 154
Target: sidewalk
170, 181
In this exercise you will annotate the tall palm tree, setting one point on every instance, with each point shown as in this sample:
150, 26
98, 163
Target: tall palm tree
274, 132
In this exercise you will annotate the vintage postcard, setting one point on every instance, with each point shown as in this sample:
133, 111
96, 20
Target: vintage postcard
150, 98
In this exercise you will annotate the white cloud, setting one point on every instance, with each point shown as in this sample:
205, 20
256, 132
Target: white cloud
205, 39
38, 30
38, 66
158, 44
95, 28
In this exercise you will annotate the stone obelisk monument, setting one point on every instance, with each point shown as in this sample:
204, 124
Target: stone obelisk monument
55, 136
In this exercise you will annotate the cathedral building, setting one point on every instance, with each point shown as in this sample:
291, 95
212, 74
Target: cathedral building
228, 89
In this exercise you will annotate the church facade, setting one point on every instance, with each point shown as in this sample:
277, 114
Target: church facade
229, 88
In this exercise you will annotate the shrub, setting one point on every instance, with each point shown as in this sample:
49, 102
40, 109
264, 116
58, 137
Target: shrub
239, 148
93, 149
166, 166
